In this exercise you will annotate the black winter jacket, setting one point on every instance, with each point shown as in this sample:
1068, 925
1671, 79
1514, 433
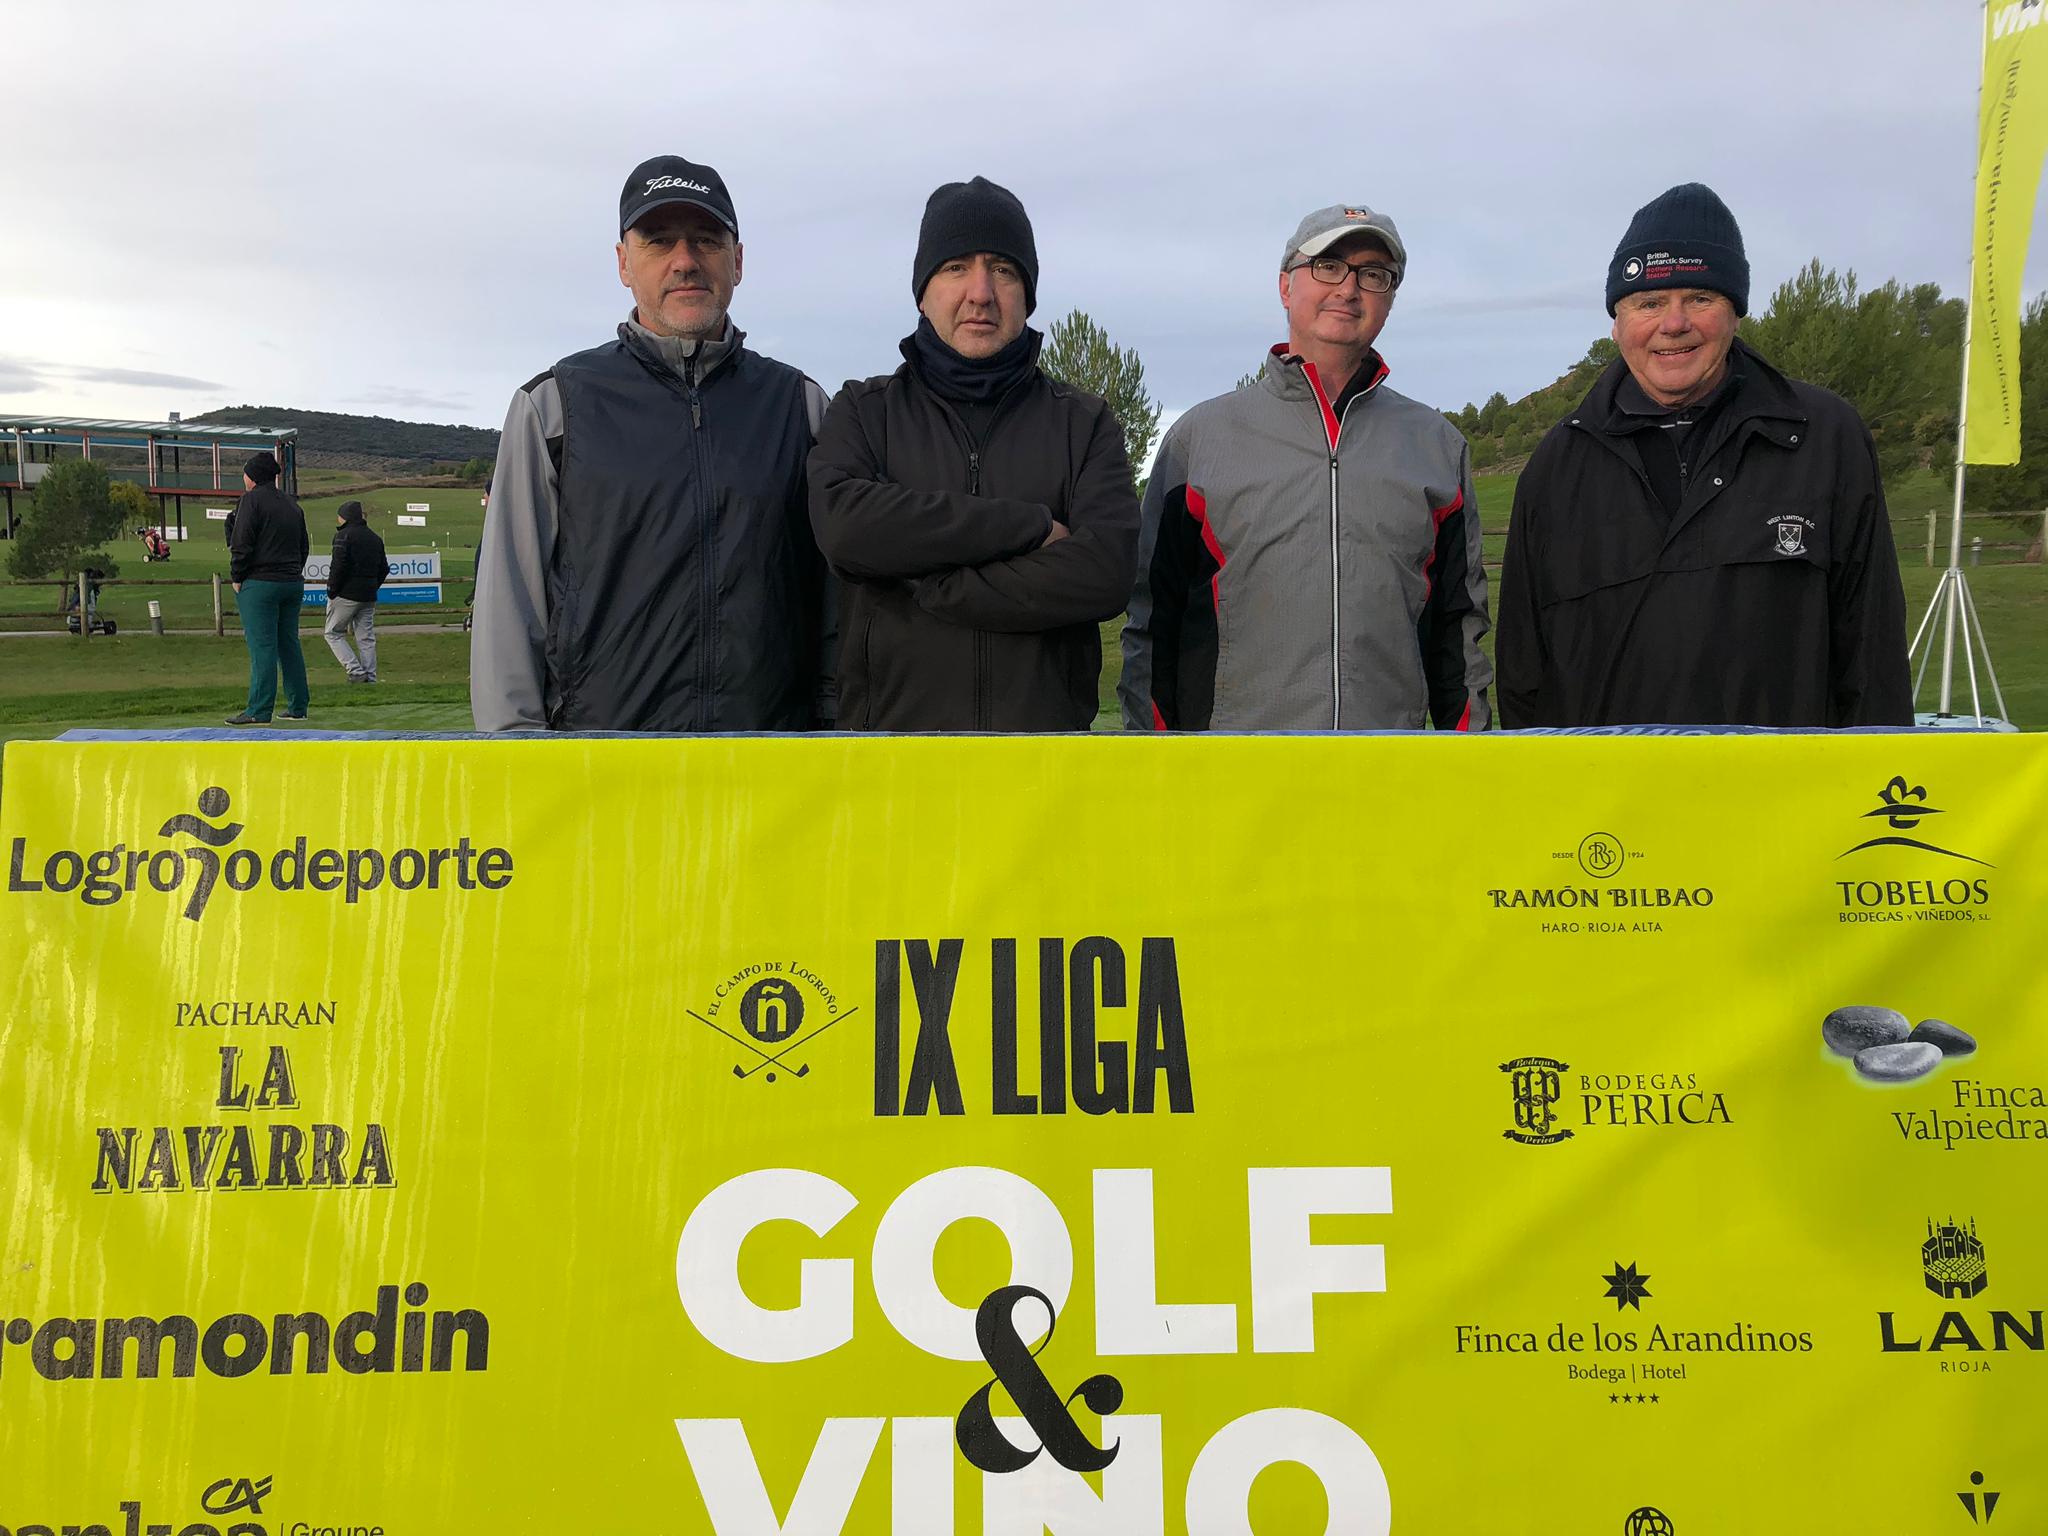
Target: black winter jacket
1770, 597
684, 591
269, 538
359, 565
953, 617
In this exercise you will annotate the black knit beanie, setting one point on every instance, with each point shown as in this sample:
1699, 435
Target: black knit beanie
350, 511
963, 217
1685, 239
262, 468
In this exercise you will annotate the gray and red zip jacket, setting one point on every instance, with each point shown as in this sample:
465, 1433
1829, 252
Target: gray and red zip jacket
1298, 572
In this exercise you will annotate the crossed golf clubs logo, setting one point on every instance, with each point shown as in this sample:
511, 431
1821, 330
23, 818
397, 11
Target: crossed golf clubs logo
772, 1014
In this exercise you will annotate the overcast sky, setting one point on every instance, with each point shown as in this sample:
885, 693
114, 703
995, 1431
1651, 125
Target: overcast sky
409, 209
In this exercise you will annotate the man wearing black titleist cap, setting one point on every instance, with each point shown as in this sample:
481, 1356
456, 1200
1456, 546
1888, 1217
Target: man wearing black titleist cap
267, 564
1703, 541
647, 561
981, 514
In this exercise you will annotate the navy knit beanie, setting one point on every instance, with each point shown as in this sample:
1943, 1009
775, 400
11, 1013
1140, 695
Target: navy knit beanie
1685, 239
963, 217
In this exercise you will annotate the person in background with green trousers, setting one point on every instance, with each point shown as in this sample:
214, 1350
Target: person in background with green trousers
267, 563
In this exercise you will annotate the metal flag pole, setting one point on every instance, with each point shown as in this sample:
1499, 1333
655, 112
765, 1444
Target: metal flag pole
1951, 600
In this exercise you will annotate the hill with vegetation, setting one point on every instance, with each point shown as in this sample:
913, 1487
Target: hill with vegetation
380, 444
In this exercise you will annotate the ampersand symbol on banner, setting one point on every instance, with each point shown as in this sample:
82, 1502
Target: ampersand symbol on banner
1016, 1366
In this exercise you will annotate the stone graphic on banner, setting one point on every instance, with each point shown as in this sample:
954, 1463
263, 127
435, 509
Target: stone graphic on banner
1884, 1052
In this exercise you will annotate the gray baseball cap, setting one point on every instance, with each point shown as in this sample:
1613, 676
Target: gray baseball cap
1326, 226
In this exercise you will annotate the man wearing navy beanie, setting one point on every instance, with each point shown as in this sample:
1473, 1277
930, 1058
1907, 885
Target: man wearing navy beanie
1702, 541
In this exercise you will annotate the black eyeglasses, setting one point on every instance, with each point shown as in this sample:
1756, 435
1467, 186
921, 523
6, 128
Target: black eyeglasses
1373, 276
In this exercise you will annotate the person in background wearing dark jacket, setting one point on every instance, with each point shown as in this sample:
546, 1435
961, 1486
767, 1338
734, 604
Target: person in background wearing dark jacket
356, 571
981, 514
267, 563
1703, 541
648, 564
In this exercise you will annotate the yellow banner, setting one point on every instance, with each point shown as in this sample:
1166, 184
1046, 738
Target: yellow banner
2012, 137
1081, 1135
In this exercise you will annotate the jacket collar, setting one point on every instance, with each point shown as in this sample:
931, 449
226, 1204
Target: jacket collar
1766, 396
1293, 378
676, 354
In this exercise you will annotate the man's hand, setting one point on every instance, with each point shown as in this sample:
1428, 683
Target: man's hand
1059, 531
238, 586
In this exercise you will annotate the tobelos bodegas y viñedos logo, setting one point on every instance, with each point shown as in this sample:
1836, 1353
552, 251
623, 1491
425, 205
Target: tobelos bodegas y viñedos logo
200, 855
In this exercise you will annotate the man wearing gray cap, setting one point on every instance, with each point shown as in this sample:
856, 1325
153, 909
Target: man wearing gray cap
647, 562
1702, 541
1309, 555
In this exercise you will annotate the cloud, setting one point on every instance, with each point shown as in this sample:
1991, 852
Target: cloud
18, 378
142, 378
402, 398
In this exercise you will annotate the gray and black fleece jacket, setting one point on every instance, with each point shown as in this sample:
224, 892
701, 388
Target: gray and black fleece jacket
647, 561
1302, 571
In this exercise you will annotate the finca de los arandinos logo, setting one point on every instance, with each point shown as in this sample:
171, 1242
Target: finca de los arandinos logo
199, 855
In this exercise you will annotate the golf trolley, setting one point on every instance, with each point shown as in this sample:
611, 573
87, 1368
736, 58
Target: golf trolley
95, 624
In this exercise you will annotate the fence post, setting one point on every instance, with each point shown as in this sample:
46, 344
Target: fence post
1930, 539
219, 628
84, 615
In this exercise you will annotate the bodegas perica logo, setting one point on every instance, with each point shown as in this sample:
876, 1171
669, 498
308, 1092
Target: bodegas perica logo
198, 854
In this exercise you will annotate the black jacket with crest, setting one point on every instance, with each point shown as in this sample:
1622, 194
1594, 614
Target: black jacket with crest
1770, 596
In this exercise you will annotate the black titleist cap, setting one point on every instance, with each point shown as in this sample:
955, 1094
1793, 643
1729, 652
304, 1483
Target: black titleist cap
671, 179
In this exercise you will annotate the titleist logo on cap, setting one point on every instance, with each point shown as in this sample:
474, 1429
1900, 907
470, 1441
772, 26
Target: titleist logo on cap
656, 183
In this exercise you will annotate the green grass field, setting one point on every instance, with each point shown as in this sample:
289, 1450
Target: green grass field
51, 682
182, 584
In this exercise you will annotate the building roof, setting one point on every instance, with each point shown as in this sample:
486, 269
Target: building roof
190, 431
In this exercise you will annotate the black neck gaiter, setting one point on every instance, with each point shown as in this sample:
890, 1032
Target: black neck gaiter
970, 380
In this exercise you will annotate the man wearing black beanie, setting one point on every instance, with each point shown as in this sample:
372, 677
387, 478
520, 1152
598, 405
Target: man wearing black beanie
1703, 541
981, 515
267, 563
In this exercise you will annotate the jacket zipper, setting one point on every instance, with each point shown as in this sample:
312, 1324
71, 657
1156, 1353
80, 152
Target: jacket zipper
984, 655
1336, 575
982, 659
705, 670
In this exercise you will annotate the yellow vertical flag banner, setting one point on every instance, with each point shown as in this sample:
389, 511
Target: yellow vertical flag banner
1429, 1136
2012, 136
